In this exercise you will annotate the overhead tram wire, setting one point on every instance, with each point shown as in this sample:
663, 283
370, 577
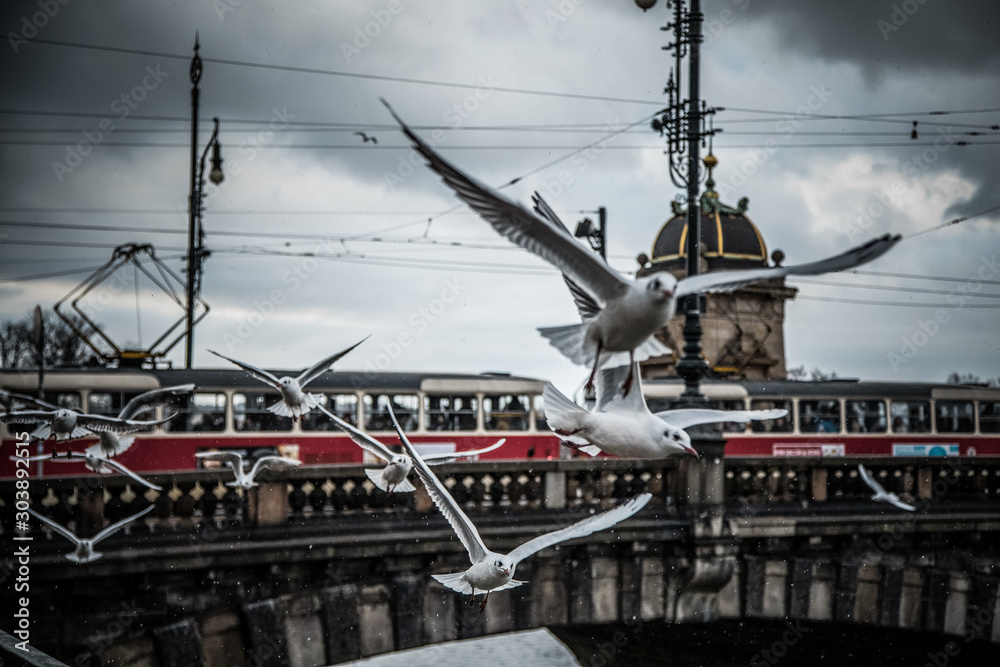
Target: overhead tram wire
902, 304
952, 222
875, 118
352, 75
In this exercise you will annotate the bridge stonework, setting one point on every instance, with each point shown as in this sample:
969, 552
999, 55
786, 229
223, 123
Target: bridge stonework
319, 567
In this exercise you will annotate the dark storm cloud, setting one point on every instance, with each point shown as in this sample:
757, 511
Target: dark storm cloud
884, 38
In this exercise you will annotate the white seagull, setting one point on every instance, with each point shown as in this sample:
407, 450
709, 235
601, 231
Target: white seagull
398, 466
235, 462
619, 315
84, 552
624, 426
881, 495
93, 460
294, 401
64, 424
110, 445
491, 571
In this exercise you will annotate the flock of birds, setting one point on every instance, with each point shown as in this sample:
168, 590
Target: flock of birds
619, 318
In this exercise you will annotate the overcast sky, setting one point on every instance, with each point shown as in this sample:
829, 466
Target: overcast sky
443, 292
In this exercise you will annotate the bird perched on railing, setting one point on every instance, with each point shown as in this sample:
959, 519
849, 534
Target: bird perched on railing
624, 425
294, 401
84, 552
619, 315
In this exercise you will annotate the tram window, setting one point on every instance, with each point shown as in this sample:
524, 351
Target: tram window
450, 412
954, 417
989, 417
866, 416
377, 411
203, 411
822, 416
111, 403
250, 413
730, 427
344, 406
64, 399
910, 416
779, 425
505, 412
541, 424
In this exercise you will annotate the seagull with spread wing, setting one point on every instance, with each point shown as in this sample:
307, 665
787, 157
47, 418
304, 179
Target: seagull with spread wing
64, 424
245, 480
619, 315
881, 495
110, 445
84, 552
294, 401
492, 571
398, 466
94, 460
624, 425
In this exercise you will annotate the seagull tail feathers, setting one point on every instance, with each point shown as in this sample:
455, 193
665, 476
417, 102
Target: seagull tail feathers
405, 487
649, 349
456, 582
280, 409
571, 341
560, 412
375, 475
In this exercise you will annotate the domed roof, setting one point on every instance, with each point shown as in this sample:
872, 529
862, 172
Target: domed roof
729, 240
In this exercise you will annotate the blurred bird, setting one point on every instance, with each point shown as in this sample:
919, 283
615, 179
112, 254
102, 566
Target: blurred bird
619, 316
84, 552
881, 495
492, 571
235, 462
624, 425
110, 445
64, 424
294, 401
365, 138
95, 461
398, 466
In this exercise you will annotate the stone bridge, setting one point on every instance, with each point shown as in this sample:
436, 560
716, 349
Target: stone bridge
317, 567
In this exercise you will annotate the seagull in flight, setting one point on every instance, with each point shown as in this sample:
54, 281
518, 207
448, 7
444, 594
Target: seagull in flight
84, 552
110, 445
242, 479
366, 138
94, 460
881, 495
492, 571
619, 315
624, 426
398, 466
294, 401
63, 424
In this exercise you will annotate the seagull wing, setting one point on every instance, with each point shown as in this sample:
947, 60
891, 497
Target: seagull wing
609, 390
591, 524
25, 416
869, 480
317, 369
232, 459
98, 423
9, 398
62, 530
121, 524
272, 463
431, 459
895, 501
727, 281
460, 523
258, 373
153, 399
686, 418
552, 242
128, 471
363, 440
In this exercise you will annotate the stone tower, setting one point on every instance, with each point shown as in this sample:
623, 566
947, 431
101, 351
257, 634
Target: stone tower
743, 330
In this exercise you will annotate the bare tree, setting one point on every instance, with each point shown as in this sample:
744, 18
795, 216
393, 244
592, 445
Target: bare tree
971, 378
61, 346
816, 375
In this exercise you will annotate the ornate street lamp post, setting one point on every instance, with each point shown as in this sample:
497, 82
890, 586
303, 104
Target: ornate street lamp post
196, 253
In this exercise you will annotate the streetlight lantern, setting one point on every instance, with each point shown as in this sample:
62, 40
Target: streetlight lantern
645, 5
216, 174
